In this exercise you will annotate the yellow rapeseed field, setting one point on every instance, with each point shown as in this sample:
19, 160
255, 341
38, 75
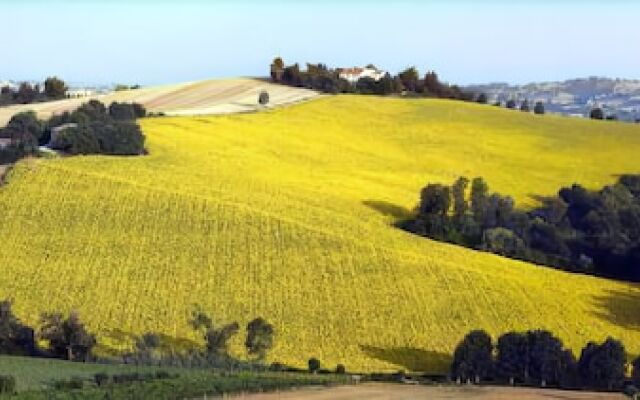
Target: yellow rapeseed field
288, 214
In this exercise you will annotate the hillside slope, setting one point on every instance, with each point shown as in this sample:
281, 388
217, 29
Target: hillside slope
288, 215
191, 98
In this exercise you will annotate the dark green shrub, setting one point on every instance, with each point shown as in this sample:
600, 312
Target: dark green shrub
101, 379
7, 384
314, 365
263, 98
340, 369
69, 384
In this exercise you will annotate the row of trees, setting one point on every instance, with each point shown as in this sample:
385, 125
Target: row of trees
325, 79
26, 93
91, 129
596, 232
538, 357
67, 338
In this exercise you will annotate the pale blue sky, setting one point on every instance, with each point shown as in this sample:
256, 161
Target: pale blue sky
464, 41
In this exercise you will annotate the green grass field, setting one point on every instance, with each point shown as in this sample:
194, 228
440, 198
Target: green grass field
288, 214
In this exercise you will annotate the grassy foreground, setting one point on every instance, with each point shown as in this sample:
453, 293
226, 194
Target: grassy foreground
36, 379
288, 215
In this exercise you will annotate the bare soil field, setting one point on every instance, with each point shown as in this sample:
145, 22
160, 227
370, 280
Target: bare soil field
191, 98
413, 392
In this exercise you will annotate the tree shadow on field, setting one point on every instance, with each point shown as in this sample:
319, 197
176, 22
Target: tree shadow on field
620, 307
411, 358
385, 208
123, 341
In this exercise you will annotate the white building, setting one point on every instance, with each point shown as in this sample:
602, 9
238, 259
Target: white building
80, 92
353, 75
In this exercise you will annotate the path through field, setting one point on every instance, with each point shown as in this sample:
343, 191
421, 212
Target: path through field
400, 392
192, 98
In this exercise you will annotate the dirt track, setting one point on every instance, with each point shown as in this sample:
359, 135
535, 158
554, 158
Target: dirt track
193, 98
411, 392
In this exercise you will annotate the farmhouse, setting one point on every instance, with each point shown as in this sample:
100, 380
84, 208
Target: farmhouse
353, 75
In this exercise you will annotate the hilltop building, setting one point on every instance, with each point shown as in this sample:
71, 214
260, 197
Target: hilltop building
353, 75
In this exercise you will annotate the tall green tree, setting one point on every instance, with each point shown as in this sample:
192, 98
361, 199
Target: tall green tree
472, 358
512, 360
55, 88
259, 337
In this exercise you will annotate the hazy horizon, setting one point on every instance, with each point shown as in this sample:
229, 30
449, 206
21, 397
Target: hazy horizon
142, 42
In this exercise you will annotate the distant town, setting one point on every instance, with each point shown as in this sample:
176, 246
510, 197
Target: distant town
619, 98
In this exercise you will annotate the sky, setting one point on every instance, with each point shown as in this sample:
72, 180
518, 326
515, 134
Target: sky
155, 42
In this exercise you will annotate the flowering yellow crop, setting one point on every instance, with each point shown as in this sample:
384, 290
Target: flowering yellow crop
287, 214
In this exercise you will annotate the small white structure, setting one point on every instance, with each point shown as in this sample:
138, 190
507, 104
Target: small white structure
57, 130
80, 92
353, 75
4, 142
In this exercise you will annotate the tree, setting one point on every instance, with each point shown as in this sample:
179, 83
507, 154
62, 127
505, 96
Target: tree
479, 198
26, 131
602, 366
263, 98
77, 140
314, 365
545, 357
512, 357
68, 338
126, 111
15, 337
340, 369
538, 109
511, 104
432, 84
55, 88
217, 339
635, 374
472, 358
259, 337
504, 242
524, 106
482, 98
596, 113
26, 93
409, 78
460, 205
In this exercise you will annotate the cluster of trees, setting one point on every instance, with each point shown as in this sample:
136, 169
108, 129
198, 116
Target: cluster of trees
512, 104
54, 89
537, 357
91, 129
258, 342
598, 113
595, 232
66, 336
325, 79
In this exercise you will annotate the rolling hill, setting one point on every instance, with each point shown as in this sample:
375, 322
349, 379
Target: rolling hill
190, 98
288, 214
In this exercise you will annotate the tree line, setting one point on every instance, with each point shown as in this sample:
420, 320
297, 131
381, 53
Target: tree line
593, 232
26, 93
67, 338
93, 128
409, 82
537, 357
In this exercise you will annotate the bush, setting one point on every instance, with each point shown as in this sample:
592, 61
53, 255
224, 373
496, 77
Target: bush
340, 369
538, 108
314, 365
7, 384
596, 113
101, 379
71, 384
263, 98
